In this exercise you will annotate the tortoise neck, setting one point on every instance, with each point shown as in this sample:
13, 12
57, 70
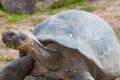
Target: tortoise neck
45, 56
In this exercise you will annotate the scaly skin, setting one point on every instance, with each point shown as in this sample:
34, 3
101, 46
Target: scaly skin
17, 69
54, 61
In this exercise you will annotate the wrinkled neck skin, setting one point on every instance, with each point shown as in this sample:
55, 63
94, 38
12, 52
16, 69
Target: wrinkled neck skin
38, 52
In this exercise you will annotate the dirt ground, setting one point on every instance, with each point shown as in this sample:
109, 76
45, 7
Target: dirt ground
109, 10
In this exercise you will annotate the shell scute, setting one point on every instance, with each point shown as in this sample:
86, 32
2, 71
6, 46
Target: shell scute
81, 30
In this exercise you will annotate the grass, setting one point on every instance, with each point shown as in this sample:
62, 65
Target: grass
66, 3
117, 31
9, 17
37, 21
9, 58
48, 11
88, 8
15, 17
6, 58
118, 17
1, 59
57, 7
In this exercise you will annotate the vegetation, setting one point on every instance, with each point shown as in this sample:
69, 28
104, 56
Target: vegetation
117, 31
118, 17
88, 8
66, 3
37, 21
10, 44
6, 58
63, 4
15, 17
1, 59
9, 58
9, 17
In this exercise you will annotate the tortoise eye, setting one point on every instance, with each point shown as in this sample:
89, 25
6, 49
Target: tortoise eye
11, 35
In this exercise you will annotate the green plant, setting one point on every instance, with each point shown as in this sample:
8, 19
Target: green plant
1, 58
47, 11
9, 58
118, 17
88, 8
37, 21
10, 44
60, 6
117, 31
9, 17
6, 58
66, 3
15, 17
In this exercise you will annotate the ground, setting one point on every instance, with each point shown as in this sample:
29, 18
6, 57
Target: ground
109, 10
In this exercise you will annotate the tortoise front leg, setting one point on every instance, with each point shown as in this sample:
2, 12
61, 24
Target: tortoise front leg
18, 69
52, 76
85, 75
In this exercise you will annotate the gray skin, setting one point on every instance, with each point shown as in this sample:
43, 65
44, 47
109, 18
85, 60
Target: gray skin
54, 62
17, 69
71, 45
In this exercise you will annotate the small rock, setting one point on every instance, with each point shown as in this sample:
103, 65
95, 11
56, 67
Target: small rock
18, 6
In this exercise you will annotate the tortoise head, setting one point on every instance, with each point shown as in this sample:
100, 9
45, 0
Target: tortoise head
17, 39
26, 41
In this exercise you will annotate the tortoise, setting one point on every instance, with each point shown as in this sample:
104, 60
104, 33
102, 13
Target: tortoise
70, 45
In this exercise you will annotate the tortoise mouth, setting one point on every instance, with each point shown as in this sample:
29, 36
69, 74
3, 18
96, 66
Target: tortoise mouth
7, 38
10, 44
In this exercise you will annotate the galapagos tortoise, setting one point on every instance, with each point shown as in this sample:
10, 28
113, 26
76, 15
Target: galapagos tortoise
70, 45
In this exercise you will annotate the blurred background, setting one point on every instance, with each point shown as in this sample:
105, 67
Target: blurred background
26, 14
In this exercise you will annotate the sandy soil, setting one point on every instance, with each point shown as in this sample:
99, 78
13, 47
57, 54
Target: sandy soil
109, 10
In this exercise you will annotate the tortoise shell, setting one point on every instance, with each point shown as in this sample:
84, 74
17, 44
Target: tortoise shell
84, 31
